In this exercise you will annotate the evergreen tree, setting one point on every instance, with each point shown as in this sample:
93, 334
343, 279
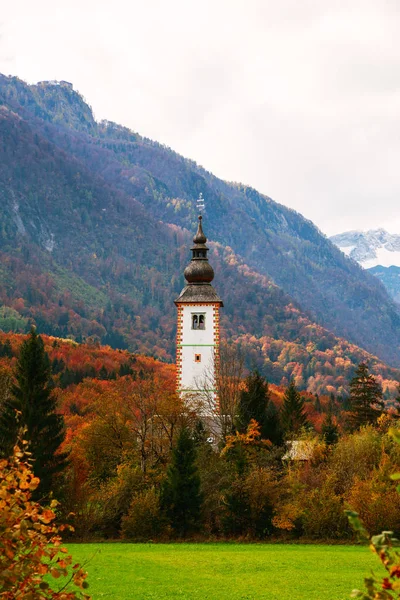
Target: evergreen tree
255, 403
293, 416
330, 431
332, 404
272, 429
317, 404
180, 493
103, 373
237, 517
366, 401
31, 396
397, 403
6, 349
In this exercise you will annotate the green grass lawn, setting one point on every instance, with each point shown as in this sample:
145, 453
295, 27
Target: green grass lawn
224, 571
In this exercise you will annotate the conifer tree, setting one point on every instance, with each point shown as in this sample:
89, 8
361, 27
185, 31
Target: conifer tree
180, 493
397, 403
32, 399
6, 349
330, 431
366, 403
317, 404
293, 416
255, 403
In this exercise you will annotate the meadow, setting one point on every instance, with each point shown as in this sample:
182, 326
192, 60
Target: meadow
123, 571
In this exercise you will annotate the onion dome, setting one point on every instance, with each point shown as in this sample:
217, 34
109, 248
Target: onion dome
199, 271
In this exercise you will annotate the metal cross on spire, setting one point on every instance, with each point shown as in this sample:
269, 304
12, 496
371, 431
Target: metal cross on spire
200, 203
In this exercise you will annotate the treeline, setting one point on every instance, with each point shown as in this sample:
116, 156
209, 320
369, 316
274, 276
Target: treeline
129, 458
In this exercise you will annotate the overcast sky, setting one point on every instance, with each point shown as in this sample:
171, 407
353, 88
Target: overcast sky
297, 98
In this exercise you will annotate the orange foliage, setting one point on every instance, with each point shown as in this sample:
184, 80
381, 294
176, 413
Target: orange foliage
250, 439
30, 544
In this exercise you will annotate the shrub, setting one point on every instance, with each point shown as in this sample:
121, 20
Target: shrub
385, 588
143, 521
323, 516
216, 476
376, 502
354, 456
110, 502
262, 490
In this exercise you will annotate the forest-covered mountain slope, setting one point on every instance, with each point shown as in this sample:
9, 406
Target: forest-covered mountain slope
94, 236
390, 277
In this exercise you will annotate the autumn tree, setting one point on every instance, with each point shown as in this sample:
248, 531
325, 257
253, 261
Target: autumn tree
154, 413
225, 374
242, 450
30, 541
32, 405
365, 398
180, 495
293, 416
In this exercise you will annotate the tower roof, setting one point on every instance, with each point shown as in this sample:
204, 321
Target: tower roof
200, 238
199, 273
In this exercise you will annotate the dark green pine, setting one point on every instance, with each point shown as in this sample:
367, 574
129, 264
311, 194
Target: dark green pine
255, 403
397, 403
180, 494
293, 416
366, 398
32, 397
330, 431
317, 404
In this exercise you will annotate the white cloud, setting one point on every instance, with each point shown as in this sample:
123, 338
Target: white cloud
298, 99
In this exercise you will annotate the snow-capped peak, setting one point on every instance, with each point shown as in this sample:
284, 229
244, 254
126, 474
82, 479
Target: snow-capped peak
370, 248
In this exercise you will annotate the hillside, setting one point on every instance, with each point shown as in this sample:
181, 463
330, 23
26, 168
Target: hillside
83, 373
94, 238
390, 277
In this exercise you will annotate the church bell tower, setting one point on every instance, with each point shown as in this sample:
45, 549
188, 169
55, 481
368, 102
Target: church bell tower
198, 327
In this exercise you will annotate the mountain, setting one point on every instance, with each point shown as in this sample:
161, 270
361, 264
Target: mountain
95, 229
370, 248
375, 250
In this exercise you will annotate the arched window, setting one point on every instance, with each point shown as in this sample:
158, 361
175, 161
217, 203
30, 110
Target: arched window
198, 321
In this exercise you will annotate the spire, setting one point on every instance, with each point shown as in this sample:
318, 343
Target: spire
199, 269
200, 238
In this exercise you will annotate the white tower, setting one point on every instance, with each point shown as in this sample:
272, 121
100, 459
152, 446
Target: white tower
197, 337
